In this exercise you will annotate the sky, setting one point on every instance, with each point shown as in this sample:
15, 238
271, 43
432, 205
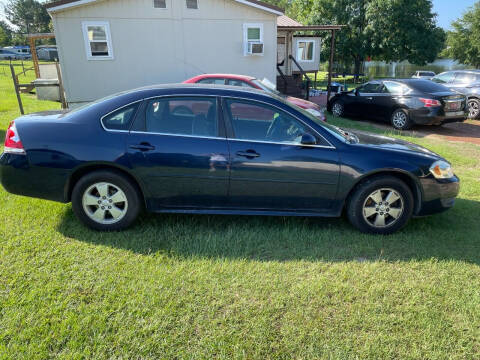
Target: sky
447, 10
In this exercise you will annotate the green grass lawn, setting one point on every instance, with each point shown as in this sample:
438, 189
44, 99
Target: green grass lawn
223, 287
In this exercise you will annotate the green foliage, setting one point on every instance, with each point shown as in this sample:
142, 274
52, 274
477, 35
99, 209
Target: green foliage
5, 34
391, 30
30, 16
463, 42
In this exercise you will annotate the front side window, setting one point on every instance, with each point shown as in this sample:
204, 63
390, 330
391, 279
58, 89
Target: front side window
192, 4
305, 50
98, 43
234, 82
120, 119
261, 122
192, 116
370, 88
465, 78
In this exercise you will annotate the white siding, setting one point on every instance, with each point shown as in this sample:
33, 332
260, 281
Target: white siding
153, 46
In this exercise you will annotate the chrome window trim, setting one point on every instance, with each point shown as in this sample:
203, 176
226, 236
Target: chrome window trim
179, 135
285, 111
330, 146
113, 111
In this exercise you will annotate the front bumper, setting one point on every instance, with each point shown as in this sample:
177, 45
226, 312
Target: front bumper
438, 195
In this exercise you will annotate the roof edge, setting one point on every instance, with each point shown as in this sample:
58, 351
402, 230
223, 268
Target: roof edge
65, 4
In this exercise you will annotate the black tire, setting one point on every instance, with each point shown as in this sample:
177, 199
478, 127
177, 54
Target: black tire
400, 120
473, 109
88, 186
338, 109
360, 203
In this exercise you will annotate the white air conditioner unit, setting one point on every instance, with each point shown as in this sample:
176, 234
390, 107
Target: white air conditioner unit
254, 48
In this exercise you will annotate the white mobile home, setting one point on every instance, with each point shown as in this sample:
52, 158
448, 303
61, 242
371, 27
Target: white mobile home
106, 46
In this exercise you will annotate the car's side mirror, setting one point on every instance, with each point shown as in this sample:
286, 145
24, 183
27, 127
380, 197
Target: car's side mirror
308, 139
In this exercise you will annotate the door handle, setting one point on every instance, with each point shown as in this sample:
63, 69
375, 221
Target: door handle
369, 98
142, 147
248, 154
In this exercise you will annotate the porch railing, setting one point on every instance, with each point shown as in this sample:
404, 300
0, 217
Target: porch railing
307, 95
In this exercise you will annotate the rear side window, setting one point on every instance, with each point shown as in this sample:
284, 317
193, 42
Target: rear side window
193, 116
444, 78
465, 78
427, 86
395, 88
120, 119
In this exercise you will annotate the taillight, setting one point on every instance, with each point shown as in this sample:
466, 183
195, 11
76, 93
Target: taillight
430, 102
13, 144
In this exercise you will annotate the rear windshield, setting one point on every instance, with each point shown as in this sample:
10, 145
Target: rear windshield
427, 86
426, 73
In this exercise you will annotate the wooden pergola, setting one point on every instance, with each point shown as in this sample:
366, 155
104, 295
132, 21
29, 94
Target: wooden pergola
333, 29
33, 49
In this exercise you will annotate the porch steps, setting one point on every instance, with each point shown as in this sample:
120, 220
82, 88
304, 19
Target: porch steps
290, 85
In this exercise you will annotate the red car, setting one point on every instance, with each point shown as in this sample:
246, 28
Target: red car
249, 81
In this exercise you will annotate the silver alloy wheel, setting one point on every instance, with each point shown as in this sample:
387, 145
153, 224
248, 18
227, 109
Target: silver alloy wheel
383, 208
105, 203
473, 109
337, 109
399, 119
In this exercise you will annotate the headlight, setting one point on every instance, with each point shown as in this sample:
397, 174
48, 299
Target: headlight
314, 112
441, 170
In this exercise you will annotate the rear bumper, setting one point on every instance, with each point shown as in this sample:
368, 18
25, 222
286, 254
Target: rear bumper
436, 116
18, 177
438, 195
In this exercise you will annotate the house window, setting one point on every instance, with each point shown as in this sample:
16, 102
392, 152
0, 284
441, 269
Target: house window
305, 50
98, 42
192, 4
160, 4
253, 39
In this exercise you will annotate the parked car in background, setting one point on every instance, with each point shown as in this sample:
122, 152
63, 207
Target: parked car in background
251, 82
422, 74
9, 55
402, 102
466, 82
218, 150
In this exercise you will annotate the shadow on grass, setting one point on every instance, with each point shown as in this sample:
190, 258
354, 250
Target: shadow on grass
453, 235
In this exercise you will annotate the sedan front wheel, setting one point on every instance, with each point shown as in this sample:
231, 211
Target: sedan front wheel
381, 205
473, 109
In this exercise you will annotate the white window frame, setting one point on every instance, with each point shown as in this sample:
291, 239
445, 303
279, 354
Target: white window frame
190, 9
88, 50
247, 26
165, 8
313, 50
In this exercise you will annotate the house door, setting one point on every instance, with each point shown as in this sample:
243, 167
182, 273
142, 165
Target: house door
281, 51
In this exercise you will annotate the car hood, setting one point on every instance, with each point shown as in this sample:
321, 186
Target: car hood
388, 143
304, 104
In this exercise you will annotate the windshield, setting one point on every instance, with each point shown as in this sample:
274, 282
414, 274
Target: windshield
265, 85
339, 133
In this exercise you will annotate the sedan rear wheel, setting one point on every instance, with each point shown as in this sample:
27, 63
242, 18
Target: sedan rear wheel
473, 109
381, 205
338, 109
106, 201
400, 120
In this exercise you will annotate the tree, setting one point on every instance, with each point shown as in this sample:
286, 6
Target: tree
391, 30
5, 34
463, 42
29, 16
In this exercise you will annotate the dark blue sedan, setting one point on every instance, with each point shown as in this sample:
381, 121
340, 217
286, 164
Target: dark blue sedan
218, 150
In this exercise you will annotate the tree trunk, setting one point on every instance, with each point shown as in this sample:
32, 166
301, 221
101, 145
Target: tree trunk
356, 71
